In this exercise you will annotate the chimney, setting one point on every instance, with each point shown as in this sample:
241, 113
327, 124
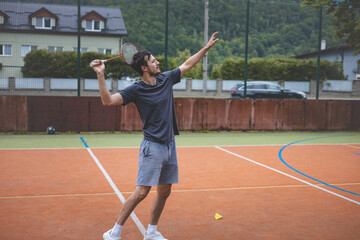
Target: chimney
323, 44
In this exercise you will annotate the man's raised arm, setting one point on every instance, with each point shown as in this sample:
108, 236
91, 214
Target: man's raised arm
195, 59
106, 98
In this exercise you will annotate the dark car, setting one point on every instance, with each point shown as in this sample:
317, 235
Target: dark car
264, 90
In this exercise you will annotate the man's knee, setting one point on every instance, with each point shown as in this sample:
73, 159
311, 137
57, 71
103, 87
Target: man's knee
141, 193
164, 191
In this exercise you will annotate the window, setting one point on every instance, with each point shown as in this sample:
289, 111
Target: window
259, 86
105, 50
5, 50
2, 20
250, 86
93, 25
43, 22
81, 49
273, 87
25, 49
55, 49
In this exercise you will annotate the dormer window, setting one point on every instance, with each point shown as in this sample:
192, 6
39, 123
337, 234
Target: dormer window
93, 22
44, 23
43, 19
93, 25
3, 17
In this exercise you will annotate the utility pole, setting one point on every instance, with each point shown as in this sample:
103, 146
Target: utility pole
206, 29
246, 46
166, 33
78, 50
318, 54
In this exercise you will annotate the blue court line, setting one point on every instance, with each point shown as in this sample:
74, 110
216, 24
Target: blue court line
357, 153
281, 158
84, 142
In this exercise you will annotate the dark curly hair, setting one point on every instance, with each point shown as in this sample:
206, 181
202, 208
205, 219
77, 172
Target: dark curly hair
139, 60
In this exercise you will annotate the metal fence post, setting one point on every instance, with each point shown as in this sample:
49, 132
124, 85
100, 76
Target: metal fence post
246, 45
78, 50
318, 55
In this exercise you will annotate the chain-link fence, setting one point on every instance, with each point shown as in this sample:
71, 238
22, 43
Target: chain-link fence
279, 32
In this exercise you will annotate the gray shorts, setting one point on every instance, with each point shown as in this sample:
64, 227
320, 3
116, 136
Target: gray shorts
157, 164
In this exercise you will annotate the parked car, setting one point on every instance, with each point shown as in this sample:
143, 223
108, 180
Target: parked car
260, 89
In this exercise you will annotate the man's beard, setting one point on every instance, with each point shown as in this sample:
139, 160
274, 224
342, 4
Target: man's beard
154, 73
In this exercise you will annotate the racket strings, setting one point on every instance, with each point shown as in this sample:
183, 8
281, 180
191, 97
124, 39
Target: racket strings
128, 52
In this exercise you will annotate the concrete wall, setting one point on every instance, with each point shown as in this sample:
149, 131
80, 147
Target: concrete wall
187, 87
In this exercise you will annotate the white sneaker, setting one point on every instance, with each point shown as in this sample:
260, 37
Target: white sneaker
106, 236
155, 236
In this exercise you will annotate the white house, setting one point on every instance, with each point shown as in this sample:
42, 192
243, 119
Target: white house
30, 26
341, 53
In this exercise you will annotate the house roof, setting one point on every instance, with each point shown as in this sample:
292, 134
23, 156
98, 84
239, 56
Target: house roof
43, 12
93, 15
327, 50
3, 14
18, 18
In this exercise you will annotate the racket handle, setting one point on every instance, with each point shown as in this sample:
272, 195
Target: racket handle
94, 64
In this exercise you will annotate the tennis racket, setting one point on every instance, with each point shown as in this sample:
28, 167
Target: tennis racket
127, 52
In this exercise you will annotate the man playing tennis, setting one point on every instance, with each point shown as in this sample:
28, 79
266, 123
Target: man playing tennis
153, 97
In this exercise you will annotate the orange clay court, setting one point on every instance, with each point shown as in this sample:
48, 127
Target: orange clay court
67, 193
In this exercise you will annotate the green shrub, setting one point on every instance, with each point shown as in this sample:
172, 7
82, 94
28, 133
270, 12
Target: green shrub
41, 63
288, 69
215, 72
38, 63
232, 69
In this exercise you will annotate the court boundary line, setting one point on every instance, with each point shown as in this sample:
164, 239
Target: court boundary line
174, 191
288, 175
304, 174
347, 145
208, 146
117, 191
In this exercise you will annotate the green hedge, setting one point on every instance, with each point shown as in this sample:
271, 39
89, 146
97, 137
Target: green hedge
279, 69
41, 63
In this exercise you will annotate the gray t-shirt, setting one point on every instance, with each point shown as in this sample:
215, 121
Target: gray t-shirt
155, 105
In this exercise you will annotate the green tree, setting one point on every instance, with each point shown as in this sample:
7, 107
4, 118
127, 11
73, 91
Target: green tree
215, 72
278, 28
347, 19
182, 56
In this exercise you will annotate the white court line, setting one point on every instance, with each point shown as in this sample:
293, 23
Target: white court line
209, 146
288, 175
118, 193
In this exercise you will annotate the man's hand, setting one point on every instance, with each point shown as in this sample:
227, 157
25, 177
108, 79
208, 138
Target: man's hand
193, 60
212, 41
98, 66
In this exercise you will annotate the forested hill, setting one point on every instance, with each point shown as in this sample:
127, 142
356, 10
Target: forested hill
278, 28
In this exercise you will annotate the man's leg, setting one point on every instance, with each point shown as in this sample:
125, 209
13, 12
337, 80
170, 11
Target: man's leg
135, 198
129, 205
163, 192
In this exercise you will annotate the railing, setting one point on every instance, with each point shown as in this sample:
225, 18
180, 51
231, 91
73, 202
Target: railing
187, 87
